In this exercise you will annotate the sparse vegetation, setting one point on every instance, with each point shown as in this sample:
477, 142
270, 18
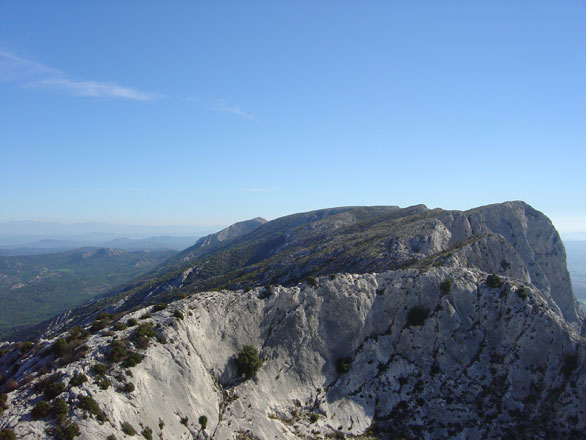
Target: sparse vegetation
131, 322
494, 281
203, 422
248, 361
311, 280
343, 365
77, 379
59, 407
99, 369
147, 433
185, 420
143, 334
446, 286
128, 429
53, 389
178, 314
41, 409
132, 359
91, 406
7, 434
160, 306
523, 292
313, 418
128, 387
417, 315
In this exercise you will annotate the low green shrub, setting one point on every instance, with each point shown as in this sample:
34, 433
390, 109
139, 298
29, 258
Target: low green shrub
178, 314
203, 422
77, 379
343, 365
417, 315
248, 361
160, 306
132, 359
41, 410
142, 335
128, 387
313, 418
52, 390
7, 434
128, 429
99, 369
311, 280
131, 322
494, 281
185, 420
523, 292
91, 406
59, 347
446, 286
147, 433
59, 407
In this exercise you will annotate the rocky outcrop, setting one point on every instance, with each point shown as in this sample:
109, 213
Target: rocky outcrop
378, 355
230, 232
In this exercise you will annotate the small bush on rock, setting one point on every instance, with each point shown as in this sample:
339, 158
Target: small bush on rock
131, 322
522, 292
7, 434
178, 314
160, 306
446, 286
417, 315
91, 406
128, 429
41, 410
77, 379
248, 361
59, 407
52, 390
129, 387
343, 365
147, 433
494, 281
311, 280
203, 422
132, 359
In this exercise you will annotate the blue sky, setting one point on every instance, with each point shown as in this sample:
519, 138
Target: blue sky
200, 113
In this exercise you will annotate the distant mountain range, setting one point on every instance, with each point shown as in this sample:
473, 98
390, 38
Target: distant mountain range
47, 246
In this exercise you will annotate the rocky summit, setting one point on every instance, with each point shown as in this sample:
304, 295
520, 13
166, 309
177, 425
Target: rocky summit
368, 322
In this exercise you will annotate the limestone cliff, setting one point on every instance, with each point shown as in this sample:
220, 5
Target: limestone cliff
430, 344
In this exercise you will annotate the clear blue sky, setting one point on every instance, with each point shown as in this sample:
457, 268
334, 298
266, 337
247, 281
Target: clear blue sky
200, 113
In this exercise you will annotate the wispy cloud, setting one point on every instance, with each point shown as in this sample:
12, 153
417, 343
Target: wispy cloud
222, 105
29, 73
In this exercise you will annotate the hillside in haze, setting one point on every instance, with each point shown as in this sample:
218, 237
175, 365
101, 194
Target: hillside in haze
576, 251
37, 287
352, 322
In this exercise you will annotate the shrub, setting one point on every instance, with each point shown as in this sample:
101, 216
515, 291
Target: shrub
570, 364
52, 390
128, 429
185, 420
131, 360
119, 326
7, 434
147, 433
26, 346
522, 292
111, 437
160, 306
41, 410
146, 315
203, 422
417, 315
117, 351
143, 334
178, 314
248, 361
129, 387
313, 418
103, 382
59, 407
494, 281
3, 402
77, 332
59, 347
99, 369
311, 280
91, 406
343, 365
67, 430
77, 379
446, 286
131, 322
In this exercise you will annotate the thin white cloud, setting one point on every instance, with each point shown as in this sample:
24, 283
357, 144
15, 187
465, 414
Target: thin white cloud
226, 107
93, 88
32, 74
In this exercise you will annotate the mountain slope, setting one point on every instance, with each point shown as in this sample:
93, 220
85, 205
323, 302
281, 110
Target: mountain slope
344, 357
510, 239
36, 287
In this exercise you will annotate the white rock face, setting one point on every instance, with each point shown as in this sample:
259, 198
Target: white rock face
485, 363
